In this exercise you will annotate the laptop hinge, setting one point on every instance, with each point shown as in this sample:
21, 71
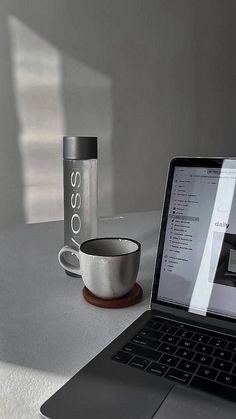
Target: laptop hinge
220, 326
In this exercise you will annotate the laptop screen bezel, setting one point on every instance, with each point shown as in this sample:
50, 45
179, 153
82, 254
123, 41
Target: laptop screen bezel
157, 304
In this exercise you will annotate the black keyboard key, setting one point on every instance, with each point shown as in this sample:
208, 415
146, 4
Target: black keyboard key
228, 379
222, 354
170, 322
170, 339
188, 344
156, 368
168, 329
222, 365
150, 334
179, 376
169, 360
204, 348
153, 324
214, 387
129, 347
185, 326
187, 366
165, 347
184, 333
207, 372
231, 347
219, 343
142, 340
140, 363
144, 352
203, 359
201, 338
234, 370
185, 353
234, 358
122, 357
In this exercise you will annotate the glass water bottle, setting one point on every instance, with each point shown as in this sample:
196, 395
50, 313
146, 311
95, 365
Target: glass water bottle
80, 191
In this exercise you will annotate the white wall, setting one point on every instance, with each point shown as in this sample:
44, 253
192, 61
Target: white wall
152, 79
215, 37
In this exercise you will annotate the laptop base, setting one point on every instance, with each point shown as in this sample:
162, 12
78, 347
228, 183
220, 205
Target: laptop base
105, 388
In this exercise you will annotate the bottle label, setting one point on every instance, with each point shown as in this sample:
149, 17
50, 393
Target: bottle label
75, 202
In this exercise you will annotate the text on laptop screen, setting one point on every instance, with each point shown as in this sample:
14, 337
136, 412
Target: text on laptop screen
198, 267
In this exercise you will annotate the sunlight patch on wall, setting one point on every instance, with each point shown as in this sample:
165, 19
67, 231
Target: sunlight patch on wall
36, 66
57, 95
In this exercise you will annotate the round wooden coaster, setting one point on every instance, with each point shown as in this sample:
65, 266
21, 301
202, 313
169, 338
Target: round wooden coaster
133, 297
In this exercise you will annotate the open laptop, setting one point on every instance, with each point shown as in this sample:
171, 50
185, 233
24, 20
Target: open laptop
178, 360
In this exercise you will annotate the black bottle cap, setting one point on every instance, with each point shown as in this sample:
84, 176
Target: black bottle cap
80, 148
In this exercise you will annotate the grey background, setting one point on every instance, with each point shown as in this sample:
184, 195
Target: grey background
152, 79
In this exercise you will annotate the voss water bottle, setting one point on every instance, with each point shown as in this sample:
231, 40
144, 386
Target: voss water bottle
80, 191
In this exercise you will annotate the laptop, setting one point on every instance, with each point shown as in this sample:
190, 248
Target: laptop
178, 359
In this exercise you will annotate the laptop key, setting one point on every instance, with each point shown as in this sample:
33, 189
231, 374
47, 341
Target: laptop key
185, 326
156, 368
129, 347
180, 376
150, 334
204, 348
165, 347
142, 340
226, 378
207, 372
221, 353
187, 366
200, 338
153, 324
184, 334
140, 363
188, 344
222, 365
234, 370
231, 347
170, 339
168, 329
185, 353
144, 352
219, 343
122, 357
203, 359
169, 360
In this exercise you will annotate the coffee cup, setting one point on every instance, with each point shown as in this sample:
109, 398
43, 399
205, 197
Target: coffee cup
108, 266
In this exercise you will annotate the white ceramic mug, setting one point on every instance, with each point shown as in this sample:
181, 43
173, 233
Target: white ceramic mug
108, 266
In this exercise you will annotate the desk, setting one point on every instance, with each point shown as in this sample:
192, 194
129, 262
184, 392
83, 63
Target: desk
47, 331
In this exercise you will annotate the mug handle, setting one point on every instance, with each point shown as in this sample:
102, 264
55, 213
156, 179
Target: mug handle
66, 265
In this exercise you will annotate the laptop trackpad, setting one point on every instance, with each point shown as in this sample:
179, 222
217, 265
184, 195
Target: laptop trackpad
185, 403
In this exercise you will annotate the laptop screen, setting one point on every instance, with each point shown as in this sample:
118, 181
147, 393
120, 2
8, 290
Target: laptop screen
196, 265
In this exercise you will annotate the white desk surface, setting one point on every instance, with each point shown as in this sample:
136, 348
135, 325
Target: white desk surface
47, 331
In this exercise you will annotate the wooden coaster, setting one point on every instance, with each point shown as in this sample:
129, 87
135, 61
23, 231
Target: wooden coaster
133, 297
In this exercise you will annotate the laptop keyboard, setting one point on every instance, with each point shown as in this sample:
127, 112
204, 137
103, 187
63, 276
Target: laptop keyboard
185, 354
